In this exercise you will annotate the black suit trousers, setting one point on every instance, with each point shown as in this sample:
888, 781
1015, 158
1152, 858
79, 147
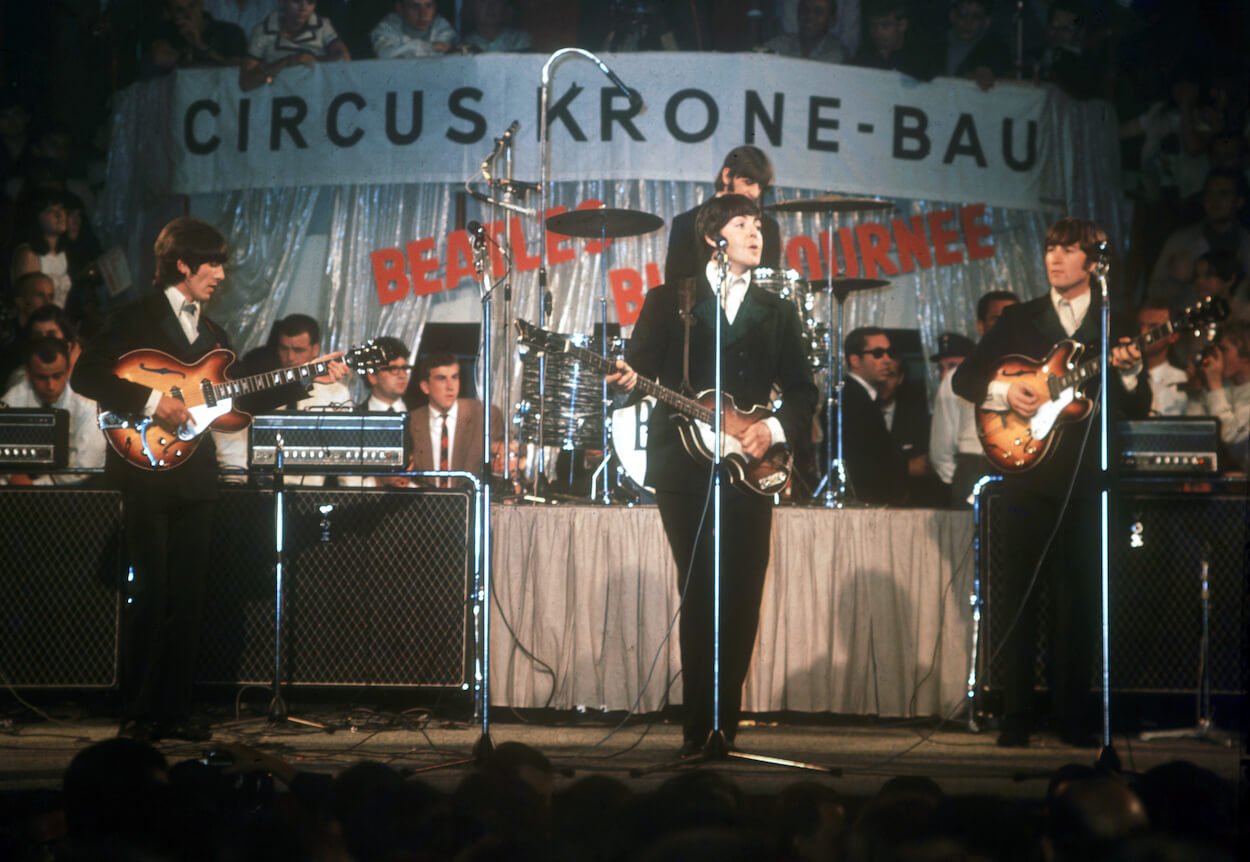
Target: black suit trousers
1070, 571
168, 541
746, 526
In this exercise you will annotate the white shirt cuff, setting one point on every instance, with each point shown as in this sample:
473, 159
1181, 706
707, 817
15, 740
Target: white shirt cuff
996, 395
149, 409
774, 426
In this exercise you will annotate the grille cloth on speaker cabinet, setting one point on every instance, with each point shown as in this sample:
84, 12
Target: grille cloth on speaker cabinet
376, 588
1157, 543
59, 599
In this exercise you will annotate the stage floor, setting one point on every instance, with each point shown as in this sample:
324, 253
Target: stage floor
36, 751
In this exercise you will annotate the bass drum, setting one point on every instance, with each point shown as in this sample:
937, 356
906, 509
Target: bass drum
629, 447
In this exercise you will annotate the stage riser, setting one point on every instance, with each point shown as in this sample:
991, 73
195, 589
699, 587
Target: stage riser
61, 567
1157, 541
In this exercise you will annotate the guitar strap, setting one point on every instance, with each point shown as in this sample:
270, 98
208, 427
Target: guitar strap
685, 293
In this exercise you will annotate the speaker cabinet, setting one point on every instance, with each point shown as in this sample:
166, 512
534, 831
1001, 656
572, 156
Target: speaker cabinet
1159, 539
376, 588
61, 567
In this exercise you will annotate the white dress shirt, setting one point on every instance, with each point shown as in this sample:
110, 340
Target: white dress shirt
953, 431
1167, 395
86, 440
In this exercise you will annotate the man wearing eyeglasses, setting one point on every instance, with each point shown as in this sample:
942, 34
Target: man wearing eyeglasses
874, 463
386, 395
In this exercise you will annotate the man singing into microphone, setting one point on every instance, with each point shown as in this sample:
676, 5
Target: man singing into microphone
762, 347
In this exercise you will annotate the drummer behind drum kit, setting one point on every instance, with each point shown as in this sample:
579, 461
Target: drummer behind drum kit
561, 402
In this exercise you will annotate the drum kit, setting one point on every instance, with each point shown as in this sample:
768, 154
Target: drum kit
562, 404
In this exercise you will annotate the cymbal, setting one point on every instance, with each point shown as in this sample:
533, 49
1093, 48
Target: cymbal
592, 224
846, 285
831, 204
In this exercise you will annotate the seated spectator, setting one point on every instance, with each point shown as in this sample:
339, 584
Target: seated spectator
1167, 381
48, 322
294, 35
46, 384
889, 44
640, 26
386, 395
1225, 375
185, 36
875, 465
493, 32
41, 244
1218, 231
1220, 274
31, 292
972, 50
815, 39
414, 29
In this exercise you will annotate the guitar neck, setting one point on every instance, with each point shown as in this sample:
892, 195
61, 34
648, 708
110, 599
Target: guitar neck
269, 380
671, 397
1089, 369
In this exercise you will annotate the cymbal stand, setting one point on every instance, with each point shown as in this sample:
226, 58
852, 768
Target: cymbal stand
834, 489
1205, 728
605, 400
278, 711
544, 192
717, 747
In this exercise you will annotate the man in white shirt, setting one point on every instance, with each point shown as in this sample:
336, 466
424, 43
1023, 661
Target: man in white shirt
1226, 375
414, 29
298, 340
954, 447
386, 395
1167, 382
46, 384
447, 432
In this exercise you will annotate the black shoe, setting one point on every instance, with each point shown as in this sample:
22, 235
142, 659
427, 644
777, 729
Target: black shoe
188, 730
1013, 737
690, 748
138, 729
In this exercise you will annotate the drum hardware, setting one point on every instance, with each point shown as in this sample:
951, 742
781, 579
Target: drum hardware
833, 489
603, 224
790, 285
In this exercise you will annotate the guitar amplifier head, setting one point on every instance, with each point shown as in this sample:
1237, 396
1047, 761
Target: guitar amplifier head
1169, 445
329, 442
33, 437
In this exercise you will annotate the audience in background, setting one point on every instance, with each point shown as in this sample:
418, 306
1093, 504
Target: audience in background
244, 14
815, 38
493, 30
1219, 231
891, 43
294, 35
972, 49
1167, 381
413, 29
185, 36
42, 245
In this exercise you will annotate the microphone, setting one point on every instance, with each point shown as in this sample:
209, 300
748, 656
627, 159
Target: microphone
722, 243
634, 98
1102, 251
478, 232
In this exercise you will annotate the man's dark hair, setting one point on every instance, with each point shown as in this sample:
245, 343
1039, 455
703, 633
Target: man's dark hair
1224, 265
797, 813
719, 211
881, 8
297, 324
1223, 174
858, 339
988, 299
749, 163
26, 281
430, 361
57, 315
392, 347
191, 241
47, 349
1071, 230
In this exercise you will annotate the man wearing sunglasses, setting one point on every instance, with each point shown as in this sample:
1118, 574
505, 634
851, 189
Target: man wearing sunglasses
874, 463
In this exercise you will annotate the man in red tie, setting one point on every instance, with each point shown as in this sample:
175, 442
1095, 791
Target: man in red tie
447, 432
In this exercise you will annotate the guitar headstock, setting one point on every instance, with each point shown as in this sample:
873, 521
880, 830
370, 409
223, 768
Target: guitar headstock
537, 338
368, 357
1209, 309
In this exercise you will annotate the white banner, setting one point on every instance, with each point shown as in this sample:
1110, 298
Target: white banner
854, 131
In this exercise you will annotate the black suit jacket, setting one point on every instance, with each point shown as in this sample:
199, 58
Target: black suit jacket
874, 462
1031, 329
688, 254
763, 347
150, 323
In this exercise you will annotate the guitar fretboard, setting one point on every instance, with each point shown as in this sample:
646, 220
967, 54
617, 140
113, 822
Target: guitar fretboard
268, 380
